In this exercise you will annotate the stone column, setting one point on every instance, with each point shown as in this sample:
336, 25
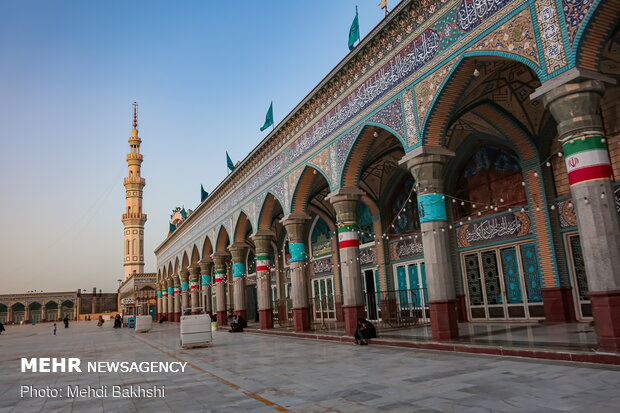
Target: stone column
59, 311
170, 290
575, 106
164, 299
9, 315
206, 268
43, 313
262, 241
26, 314
185, 291
177, 297
345, 201
159, 301
194, 284
427, 167
239, 253
219, 259
295, 224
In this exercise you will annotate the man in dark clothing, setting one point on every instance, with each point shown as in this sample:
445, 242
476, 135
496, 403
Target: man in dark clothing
238, 324
1, 327
118, 321
365, 330
66, 321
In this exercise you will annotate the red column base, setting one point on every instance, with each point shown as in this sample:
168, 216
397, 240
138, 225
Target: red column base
177, 317
558, 304
169, 317
265, 318
301, 319
222, 318
444, 325
351, 314
461, 308
242, 313
606, 313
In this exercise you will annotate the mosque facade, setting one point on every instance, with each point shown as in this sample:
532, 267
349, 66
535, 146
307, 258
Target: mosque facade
461, 164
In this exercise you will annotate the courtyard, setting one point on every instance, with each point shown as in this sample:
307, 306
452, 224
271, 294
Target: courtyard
262, 373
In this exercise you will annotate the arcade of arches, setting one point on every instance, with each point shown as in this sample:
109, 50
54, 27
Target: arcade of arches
475, 218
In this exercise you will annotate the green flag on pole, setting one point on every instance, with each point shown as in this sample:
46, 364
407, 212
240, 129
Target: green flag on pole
354, 31
268, 118
229, 163
172, 228
203, 194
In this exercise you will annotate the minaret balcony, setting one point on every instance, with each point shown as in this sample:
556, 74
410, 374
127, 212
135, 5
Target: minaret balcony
134, 215
134, 180
132, 156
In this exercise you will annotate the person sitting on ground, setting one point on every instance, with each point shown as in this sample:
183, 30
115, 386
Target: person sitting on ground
162, 319
100, 322
365, 330
238, 324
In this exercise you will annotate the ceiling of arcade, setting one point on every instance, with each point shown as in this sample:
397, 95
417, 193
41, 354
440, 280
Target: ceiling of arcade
506, 85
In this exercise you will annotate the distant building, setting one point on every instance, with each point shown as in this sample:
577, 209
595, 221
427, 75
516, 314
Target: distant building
137, 295
53, 306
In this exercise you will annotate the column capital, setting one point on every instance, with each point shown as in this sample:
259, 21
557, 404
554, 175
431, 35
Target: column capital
573, 75
427, 167
184, 274
206, 265
575, 107
262, 241
238, 252
294, 224
194, 269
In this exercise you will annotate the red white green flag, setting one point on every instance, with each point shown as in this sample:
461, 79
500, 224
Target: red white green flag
587, 159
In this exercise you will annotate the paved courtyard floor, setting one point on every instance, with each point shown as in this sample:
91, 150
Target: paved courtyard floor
260, 373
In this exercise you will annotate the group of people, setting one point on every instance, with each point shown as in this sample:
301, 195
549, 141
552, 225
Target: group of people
237, 324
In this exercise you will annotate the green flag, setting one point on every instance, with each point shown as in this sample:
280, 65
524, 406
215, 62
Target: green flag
354, 31
172, 228
184, 213
229, 163
203, 194
268, 118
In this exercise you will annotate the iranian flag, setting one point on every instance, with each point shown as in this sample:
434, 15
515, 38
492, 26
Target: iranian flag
262, 263
587, 159
347, 236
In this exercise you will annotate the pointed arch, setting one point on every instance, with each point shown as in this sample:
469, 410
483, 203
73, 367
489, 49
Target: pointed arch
207, 248
450, 93
242, 227
176, 267
310, 179
600, 27
195, 255
372, 139
184, 262
223, 240
270, 208
170, 269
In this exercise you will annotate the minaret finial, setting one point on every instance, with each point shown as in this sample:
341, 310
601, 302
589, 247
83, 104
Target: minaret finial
135, 115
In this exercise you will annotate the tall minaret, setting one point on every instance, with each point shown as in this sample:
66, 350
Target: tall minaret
133, 218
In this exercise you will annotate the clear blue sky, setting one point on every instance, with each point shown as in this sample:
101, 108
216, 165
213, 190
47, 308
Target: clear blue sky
203, 73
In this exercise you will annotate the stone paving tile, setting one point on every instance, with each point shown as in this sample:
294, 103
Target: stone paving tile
301, 375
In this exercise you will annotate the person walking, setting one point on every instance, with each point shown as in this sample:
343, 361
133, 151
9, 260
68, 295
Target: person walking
1, 327
100, 322
66, 321
54, 328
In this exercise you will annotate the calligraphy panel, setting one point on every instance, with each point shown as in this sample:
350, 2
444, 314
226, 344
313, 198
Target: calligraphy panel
499, 228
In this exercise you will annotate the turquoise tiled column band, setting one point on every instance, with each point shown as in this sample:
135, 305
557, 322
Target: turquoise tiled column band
298, 251
238, 270
432, 207
205, 279
185, 286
